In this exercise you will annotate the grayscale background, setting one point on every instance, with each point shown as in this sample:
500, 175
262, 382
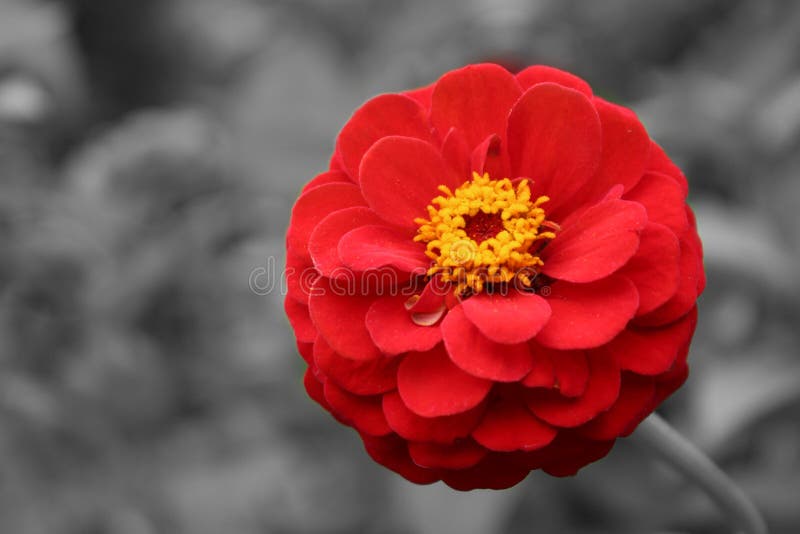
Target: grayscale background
150, 151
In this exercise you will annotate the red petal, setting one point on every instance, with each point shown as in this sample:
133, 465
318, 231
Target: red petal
665, 388
554, 138
459, 455
324, 241
456, 152
300, 277
601, 241
565, 370
490, 157
335, 163
365, 414
473, 352
509, 426
495, 471
543, 373
570, 452
652, 351
340, 319
664, 200
601, 392
384, 115
667, 383
306, 350
304, 329
435, 429
633, 405
542, 73
588, 315
698, 246
569, 219
372, 247
572, 371
393, 331
626, 147
660, 162
392, 452
400, 176
422, 95
432, 298
476, 100
329, 177
511, 318
691, 280
315, 205
654, 269
369, 377
431, 386
315, 388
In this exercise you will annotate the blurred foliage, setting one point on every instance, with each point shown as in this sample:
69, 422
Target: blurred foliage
149, 154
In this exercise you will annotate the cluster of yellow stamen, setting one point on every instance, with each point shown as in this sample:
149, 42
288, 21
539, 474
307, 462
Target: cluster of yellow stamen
484, 232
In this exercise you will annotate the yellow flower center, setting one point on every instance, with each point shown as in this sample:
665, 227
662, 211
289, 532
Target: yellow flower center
485, 232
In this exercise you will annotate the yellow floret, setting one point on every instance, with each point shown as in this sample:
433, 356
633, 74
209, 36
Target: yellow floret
499, 259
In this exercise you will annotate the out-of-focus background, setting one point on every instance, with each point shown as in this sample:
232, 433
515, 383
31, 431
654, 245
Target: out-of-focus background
150, 152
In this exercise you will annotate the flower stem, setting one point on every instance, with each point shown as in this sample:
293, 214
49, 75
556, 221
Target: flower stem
656, 435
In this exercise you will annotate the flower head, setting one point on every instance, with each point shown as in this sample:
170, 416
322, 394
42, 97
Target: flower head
498, 273
484, 233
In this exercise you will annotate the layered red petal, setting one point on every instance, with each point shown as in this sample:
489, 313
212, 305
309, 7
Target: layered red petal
475, 99
624, 154
543, 373
459, 455
384, 115
601, 241
554, 138
306, 351
660, 162
313, 206
372, 247
535, 74
400, 176
478, 355
495, 471
690, 284
509, 317
569, 452
631, 407
369, 377
315, 388
588, 315
571, 369
422, 95
300, 277
444, 429
393, 329
329, 177
324, 240
653, 351
432, 386
490, 157
364, 413
304, 329
654, 269
456, 152
602, 391
663, 199
339, 315
392, 451
508, 425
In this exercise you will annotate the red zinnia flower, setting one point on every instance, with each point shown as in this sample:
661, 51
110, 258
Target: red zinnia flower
497, 274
